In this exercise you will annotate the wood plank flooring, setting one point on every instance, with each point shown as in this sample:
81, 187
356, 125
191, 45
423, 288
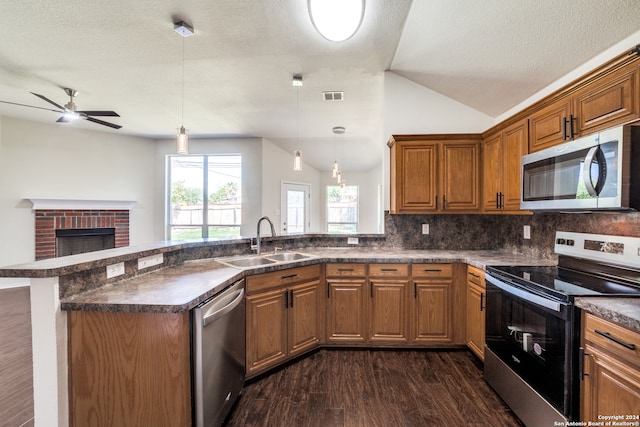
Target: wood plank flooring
372, 388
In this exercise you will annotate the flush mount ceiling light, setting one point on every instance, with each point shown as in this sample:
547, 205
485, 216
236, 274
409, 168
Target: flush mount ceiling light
336, 20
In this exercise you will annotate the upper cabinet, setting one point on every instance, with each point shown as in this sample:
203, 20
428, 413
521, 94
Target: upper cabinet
501, 168
603, 100
435, 173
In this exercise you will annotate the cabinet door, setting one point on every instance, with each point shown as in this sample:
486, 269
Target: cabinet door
460, 176
346, 312
514, 142
610, 387
432, 313
304, 317
416, 175
475, 319
492, 172
547, 127
609, 101
388, 315
266, 330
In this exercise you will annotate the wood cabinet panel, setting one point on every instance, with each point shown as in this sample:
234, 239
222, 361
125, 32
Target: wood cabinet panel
432, 312
547, 126
460, 177
347, 311
129, 369
346, 270
266, 330
280, 278
305, 318
492, 172
475, 311
388, 270
432, 271
389, 312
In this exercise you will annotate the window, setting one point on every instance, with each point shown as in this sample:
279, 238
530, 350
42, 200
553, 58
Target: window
193, 179
342, 209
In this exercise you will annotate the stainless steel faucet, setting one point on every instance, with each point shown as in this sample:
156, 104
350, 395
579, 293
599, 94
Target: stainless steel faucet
258, 238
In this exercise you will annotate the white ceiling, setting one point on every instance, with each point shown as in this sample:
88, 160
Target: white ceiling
123, 55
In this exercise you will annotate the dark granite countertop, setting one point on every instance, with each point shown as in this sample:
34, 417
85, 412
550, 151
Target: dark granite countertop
623, 311
180, 288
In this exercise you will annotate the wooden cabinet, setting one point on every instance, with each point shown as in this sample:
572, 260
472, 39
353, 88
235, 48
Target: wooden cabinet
608, 99
611, 380
476, 292
431, 314
501, 168
129, 369
389, 300
435, 173
284, 316
347, 303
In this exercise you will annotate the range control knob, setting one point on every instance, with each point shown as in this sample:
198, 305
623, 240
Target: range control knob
560, 241
570, 242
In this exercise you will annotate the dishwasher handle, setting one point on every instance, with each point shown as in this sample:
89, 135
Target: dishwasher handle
208, 318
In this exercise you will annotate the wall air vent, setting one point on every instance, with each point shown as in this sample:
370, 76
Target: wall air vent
333, 95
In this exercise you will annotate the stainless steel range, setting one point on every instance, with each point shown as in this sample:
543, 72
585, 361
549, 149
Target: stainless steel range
533, 327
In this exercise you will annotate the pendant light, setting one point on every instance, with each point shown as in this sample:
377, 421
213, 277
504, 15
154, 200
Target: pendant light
335, 170
336, 20
182, 141
297, 155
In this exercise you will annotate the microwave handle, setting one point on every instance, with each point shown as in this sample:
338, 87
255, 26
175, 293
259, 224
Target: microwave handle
594, 153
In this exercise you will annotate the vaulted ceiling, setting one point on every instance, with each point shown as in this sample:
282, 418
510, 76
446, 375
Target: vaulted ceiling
125, 56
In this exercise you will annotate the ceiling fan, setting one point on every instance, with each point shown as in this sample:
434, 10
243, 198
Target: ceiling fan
69, 111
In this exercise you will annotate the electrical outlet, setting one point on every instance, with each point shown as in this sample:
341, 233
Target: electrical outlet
425, 228
115, 270
352, 240
527, 231
150, 261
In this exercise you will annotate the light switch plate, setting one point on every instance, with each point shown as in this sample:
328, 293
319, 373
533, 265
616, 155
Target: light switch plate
352, 240
150, 261
527, 231
115, 270
425, 228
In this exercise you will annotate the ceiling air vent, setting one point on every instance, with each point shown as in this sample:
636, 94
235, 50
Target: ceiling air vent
333, 96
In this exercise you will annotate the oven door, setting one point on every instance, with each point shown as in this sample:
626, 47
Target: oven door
532, 335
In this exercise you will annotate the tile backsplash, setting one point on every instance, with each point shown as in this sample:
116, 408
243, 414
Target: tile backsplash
486, 232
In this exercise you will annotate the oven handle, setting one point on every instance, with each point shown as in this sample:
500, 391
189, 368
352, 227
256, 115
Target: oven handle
528, 296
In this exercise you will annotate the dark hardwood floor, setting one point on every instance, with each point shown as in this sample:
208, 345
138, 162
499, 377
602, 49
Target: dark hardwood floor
373, 388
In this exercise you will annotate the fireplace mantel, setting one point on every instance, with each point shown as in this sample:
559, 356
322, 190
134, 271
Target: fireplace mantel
73, 204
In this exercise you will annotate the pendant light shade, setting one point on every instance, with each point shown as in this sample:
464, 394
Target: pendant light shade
182, 143
297, 161
297, 154
336, 20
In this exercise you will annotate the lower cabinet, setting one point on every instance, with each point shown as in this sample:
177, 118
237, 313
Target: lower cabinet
129, 369
284, 316
389, 304
347, 308
431, 308
476, 293
611, 371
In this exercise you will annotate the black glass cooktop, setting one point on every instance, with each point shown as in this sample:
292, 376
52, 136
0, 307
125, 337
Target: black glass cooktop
566, 283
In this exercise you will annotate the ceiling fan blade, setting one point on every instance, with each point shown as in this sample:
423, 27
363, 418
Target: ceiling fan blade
102, 122
99, 113
31, 106
48, 100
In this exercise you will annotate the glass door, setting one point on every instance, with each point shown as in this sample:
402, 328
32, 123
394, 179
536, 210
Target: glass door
295, 208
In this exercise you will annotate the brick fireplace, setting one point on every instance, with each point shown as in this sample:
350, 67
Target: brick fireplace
85, 216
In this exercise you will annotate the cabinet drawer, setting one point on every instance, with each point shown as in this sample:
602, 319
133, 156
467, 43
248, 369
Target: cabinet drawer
388, 270
346, 270
475, 276
279, 278
617, 339
432, 271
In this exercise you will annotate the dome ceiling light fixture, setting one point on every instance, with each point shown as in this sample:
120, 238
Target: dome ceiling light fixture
336, 20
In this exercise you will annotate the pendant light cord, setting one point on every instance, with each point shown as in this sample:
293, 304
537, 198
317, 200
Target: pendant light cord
182, 82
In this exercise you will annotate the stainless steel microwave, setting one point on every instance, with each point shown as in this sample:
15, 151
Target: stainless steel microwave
596, 172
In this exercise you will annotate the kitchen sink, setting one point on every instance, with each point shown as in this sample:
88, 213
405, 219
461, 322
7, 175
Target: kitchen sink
287, 256
252, 261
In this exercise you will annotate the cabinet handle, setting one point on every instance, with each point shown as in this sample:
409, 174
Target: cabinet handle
477, 276
615, 340
571, 120
435, 270
481, 301
290, 276
501, 200
291, 296
497, 200
328, 290
436, 202
286, 299
581, 356
415, 290
345, 269
371, 289
564, 128
444, 203
389, 270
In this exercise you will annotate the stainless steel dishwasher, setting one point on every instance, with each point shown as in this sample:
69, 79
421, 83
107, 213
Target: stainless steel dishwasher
218, 354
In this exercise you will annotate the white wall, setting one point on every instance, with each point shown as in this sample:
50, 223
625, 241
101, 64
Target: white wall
410, 108
277, 166
251, 151
43, 160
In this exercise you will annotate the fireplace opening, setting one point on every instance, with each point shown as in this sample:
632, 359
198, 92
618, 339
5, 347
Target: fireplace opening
82, 240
